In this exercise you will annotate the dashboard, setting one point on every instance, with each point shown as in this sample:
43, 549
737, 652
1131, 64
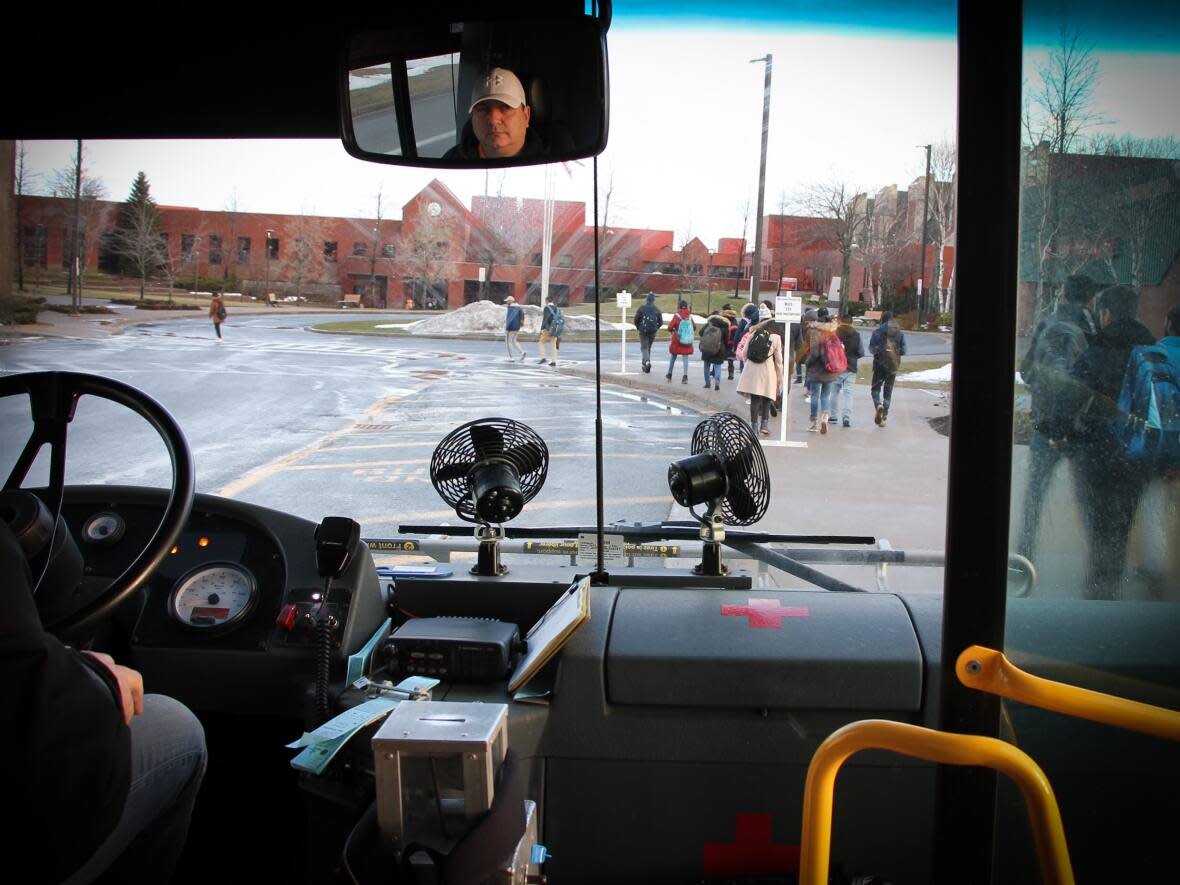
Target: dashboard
225, 622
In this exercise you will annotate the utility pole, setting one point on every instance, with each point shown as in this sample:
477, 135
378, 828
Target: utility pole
925, 222
756, 269
74, 283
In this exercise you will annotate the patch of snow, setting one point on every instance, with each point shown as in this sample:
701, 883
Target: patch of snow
937, 376
486, 316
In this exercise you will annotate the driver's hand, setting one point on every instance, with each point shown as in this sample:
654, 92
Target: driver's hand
130, 684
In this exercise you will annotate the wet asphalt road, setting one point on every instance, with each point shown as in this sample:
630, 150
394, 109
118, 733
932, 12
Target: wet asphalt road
317, 424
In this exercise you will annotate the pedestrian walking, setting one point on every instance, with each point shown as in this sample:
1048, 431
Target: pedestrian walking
1047, 371
761, 354
217, 312
512, 319
799, 353
648, 321
1109, 482
681, 341
552, 325
887, 347
825, 361
749, 318
731, 317
853, 350
713, 348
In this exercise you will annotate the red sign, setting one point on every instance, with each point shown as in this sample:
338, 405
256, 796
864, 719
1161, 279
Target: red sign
751, 853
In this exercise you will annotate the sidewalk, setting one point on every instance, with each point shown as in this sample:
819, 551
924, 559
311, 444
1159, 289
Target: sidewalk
889, 483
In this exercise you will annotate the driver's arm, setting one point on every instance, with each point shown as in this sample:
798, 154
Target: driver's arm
65, 742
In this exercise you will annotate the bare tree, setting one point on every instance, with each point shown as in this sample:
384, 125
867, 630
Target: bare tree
304, 262
138, 241
83, 193
232, 211
842, 204
1058, 113
508, 228
426, 247
25, 182
944, 158
744, 210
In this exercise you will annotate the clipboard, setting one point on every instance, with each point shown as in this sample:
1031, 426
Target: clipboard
552, 631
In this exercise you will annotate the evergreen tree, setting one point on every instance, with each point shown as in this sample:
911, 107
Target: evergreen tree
138, 235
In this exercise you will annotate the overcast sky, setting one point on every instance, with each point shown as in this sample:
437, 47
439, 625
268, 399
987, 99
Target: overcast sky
686, 109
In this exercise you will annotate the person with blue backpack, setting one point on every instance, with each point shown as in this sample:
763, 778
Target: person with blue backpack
1109, 482
681, 343
552, 325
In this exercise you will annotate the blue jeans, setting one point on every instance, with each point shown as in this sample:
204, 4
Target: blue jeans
713, 369
672, 362
844, 385
821, 390
167, 765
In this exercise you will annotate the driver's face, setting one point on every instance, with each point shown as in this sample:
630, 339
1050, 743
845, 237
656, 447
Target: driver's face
500, 129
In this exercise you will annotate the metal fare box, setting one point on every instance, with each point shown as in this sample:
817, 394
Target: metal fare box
437, 762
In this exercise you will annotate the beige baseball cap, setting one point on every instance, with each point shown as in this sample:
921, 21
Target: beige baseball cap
500, 84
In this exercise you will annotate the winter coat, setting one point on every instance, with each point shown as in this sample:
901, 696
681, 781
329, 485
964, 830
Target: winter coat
723, 325
512, 320
547, 317
731, 319
1099, 375
214, 305
892, 331
645, 310
766, 378
1049, 415
815, 359
674, 346
854, 347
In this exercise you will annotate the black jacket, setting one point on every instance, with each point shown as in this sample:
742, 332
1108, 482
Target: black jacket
1098, 373
854, 347
646, 309
67, 751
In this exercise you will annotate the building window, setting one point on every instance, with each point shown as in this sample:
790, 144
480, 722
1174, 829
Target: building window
67, 249
214, 249
243, 250
272, 248
388, 250
537, 259
36, 246
359, 250
330, 251
565, 260
187, 242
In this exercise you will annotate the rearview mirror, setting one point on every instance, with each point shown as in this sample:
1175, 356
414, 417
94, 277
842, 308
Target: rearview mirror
477, 94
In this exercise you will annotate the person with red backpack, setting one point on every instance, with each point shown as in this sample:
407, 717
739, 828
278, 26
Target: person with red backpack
825, 362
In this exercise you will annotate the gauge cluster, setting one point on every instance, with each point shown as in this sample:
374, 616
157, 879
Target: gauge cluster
213, 597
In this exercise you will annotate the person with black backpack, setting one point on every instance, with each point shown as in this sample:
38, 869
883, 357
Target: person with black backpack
648, 321
887, 345
713, 347
1046, 369
1109, 482
761, 353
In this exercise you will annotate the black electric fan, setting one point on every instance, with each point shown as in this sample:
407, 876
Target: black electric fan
727, 472
488, 470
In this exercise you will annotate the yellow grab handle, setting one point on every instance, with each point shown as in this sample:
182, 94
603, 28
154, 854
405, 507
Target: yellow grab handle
934, 746
988, 670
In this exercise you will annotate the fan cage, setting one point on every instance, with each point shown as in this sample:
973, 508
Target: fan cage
731, 440
503, 440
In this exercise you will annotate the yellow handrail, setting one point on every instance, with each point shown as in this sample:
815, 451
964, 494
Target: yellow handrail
988, 670
934, 746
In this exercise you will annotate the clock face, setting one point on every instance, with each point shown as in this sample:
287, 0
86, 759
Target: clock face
434, 209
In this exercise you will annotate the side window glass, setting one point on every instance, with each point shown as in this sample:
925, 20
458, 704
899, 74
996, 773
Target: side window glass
1095, 486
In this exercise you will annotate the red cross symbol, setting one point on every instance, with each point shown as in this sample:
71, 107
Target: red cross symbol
764, 613
751, 853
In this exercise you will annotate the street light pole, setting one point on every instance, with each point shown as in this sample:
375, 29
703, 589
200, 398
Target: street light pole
925, 222
269, 234
756, 269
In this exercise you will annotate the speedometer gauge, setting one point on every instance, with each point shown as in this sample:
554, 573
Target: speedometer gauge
213, 595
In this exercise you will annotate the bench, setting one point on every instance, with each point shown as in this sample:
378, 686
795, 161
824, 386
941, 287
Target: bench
353, 299
869, 316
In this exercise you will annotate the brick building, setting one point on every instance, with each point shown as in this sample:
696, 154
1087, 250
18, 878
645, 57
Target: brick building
439, 253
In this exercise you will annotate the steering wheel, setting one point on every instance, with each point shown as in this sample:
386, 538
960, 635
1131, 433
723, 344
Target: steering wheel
53, 397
